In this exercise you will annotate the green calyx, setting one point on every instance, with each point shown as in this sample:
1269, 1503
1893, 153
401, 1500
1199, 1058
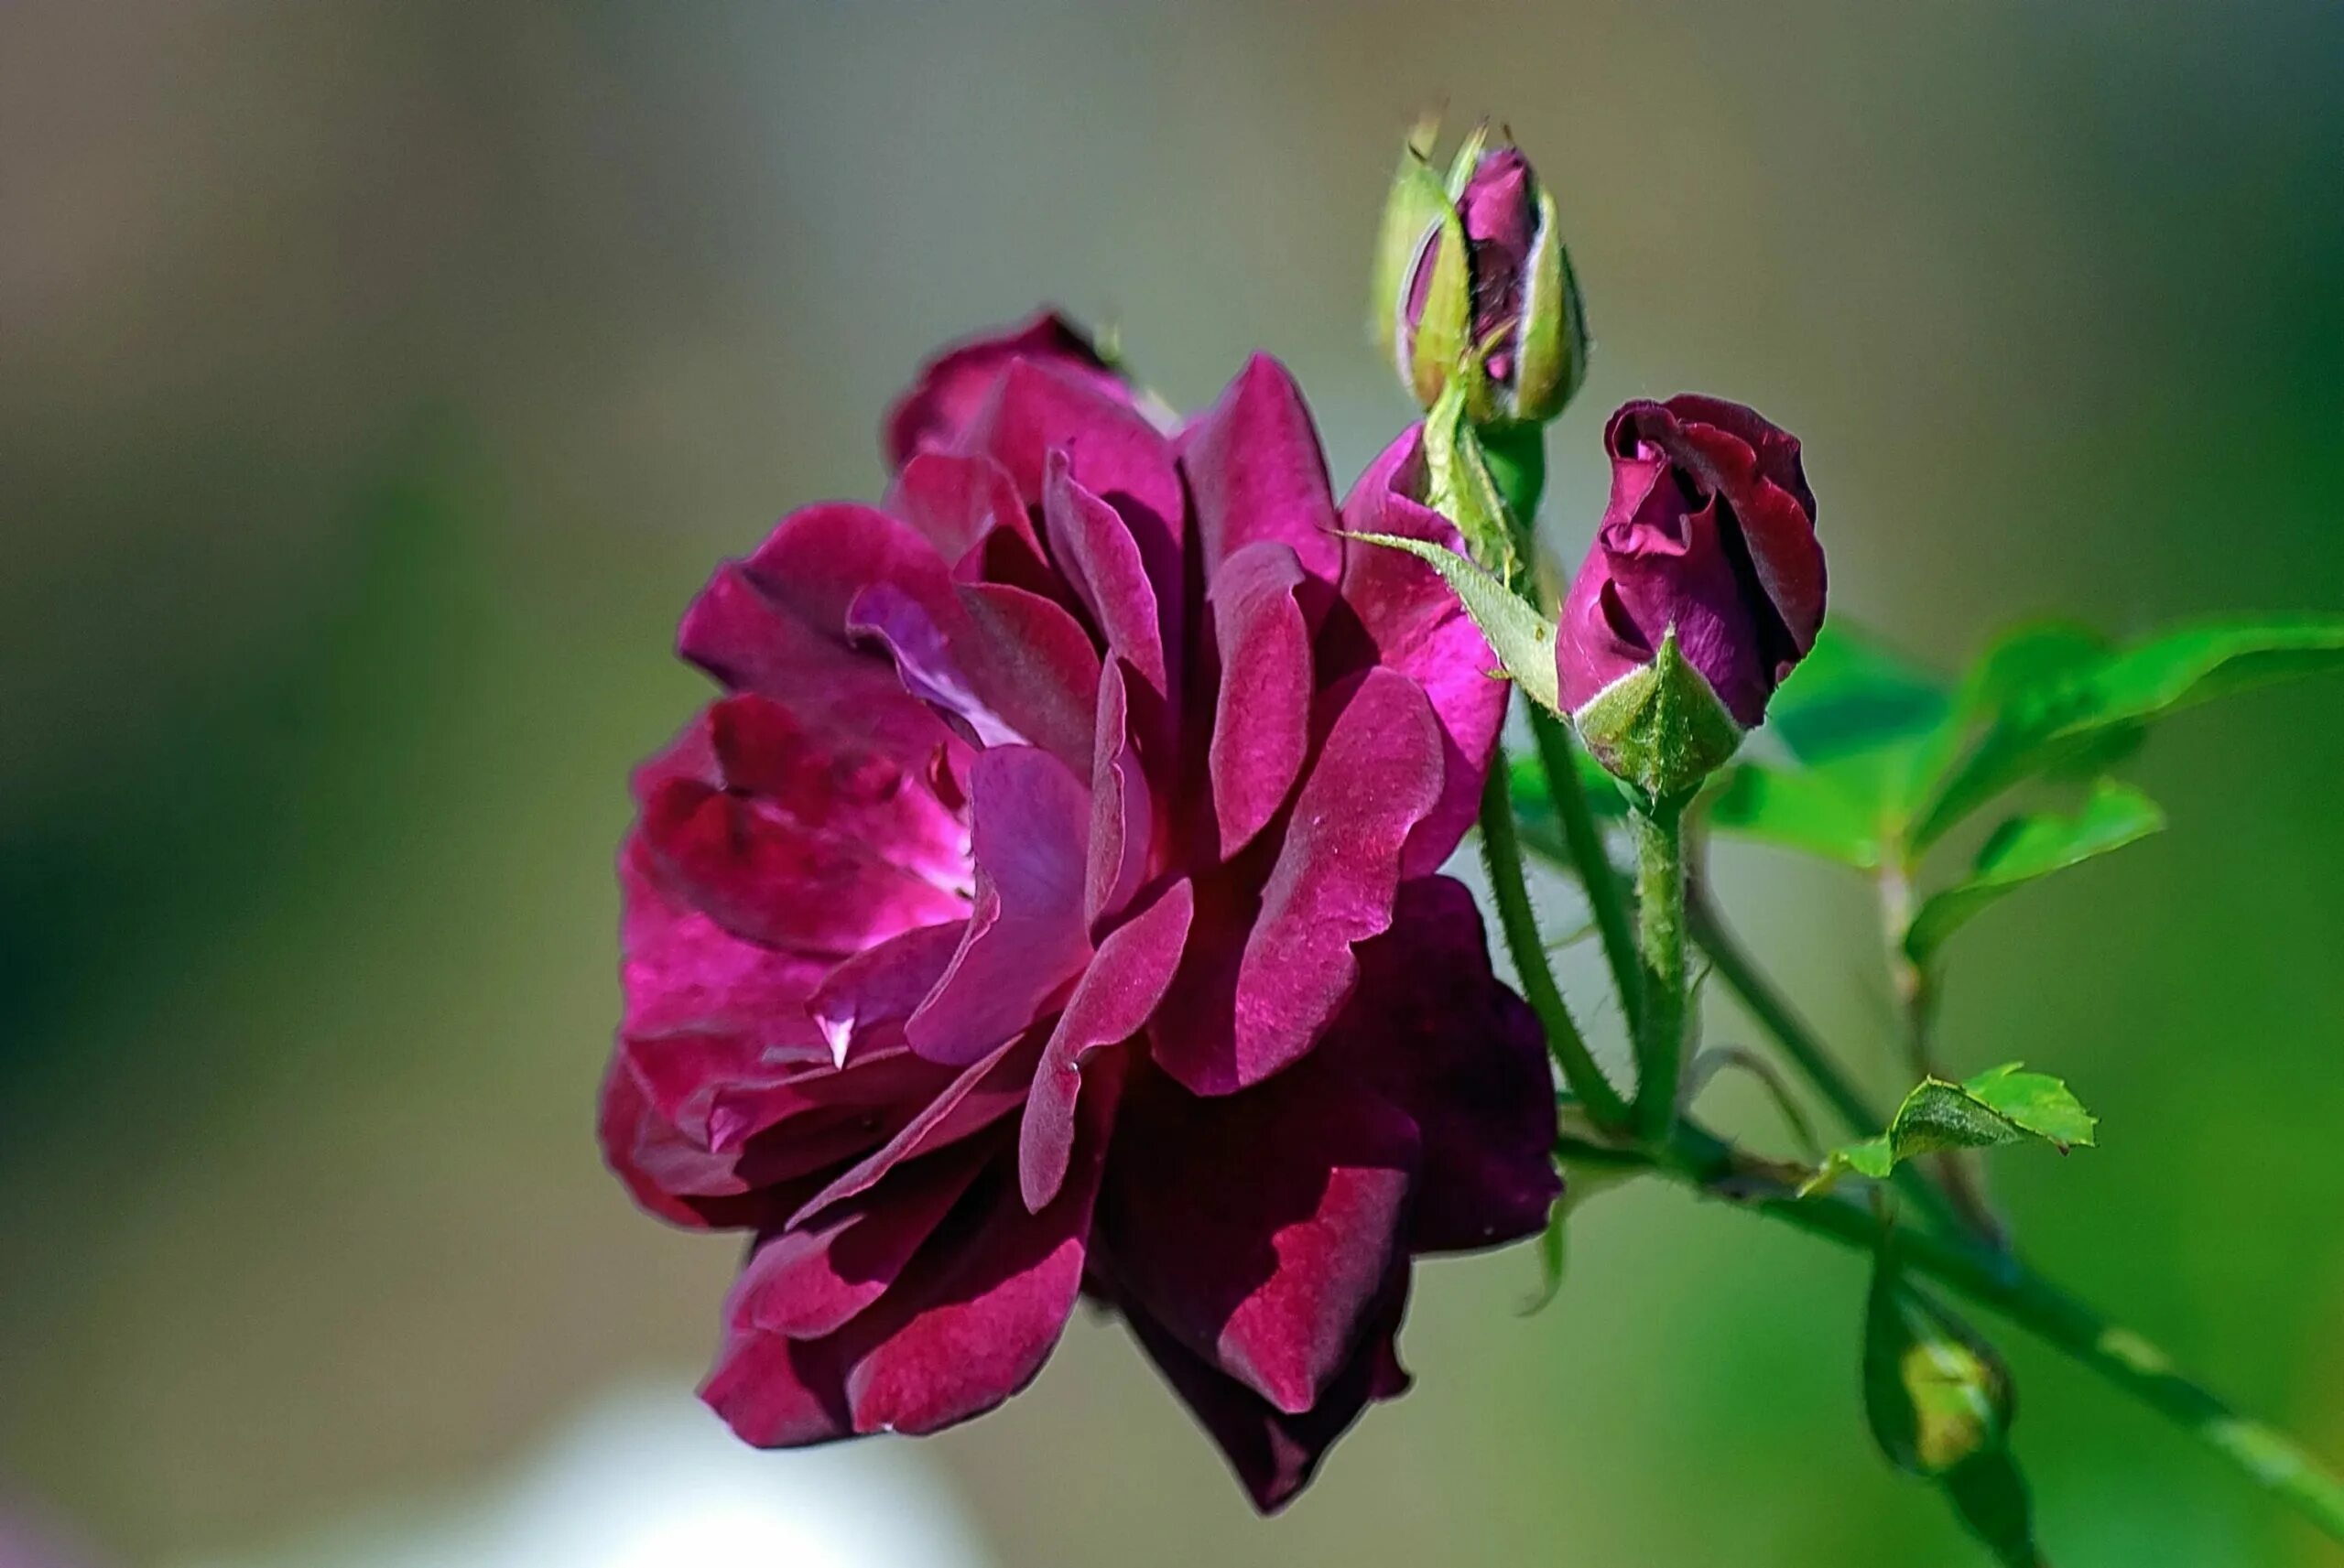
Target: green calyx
1660, 728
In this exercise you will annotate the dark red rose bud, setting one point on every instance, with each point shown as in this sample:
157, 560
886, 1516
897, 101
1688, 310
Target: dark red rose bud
1483, 287
1710, 535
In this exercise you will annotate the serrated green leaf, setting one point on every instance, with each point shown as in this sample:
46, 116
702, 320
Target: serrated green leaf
1804, 809
2034, 1103
2026, 848
1998, 1107
2078, 705
1523, 639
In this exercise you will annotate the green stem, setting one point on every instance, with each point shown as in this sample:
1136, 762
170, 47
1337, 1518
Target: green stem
1734, 968
1658, 831
2268, 1457
1606, 900
1502, 852
1961, 1175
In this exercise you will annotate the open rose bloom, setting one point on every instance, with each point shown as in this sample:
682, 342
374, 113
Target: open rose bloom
1049, 906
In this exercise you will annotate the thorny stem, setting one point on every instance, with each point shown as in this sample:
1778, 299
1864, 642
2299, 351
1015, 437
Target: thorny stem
1606, 901
1658, 829
1999, 1281
1958, 1173
1502, 852
1739, 972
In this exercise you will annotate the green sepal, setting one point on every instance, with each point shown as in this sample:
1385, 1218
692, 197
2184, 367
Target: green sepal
1660, 728
1551, 343
2001, 1105
1522, 639
1444, 327
1413, 206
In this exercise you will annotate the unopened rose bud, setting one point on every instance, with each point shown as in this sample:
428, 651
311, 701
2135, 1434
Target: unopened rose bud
1703, 589
1474, 281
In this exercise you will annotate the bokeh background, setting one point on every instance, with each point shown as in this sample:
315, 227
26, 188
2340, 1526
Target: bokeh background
378, 381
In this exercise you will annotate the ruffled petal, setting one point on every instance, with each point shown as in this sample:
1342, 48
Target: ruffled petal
951, 387
1027, 937
1261, 729
862, 1003
1432, 1030
1256, 471
1233, 1020
1398, 613
1123, 986
971, 1323
1258, 1228
1274, 1454
1113, 452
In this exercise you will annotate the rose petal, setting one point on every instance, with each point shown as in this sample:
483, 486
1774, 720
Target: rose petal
1104, 564
1262, 716
1432, 1031
1256, 472
1123, 986
985, 1091
968, 1325
1274, 1454
1113, 452
1398, 613
951, 387
1259, 1227
1122, 810
809, 1281
1027, 936
866, 999
1231, 1024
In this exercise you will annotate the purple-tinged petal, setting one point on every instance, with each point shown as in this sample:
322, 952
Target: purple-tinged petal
750, 643
1229, 1024
1256, 472
1432, 1030
1122, 808
985, 1091
1034, 410
970, 1324
1104, 564
764, 876
1027, 937
809, 1281
1402, 616
863, 1002
1113, 1002
1034, 665
1272, 1453
950, 388
915, 637
1261, 714
1266, 1265
775, 1392
957, 503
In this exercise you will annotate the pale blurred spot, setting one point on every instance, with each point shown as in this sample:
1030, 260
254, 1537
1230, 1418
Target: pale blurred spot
649, 1478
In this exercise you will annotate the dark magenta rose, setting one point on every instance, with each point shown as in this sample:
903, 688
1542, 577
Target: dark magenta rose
1710, 530
1049, 905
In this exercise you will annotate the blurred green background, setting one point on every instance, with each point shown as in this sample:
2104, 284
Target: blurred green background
377, 382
